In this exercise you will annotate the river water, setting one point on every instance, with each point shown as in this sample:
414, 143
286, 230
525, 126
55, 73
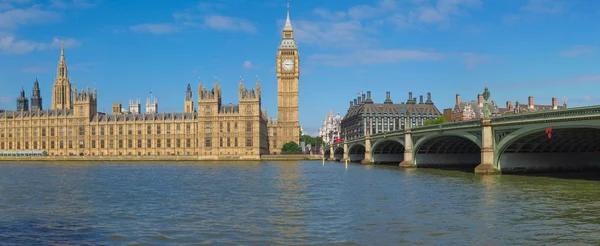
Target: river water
289, 203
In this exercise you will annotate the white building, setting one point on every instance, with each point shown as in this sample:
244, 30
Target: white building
134, 107
331, 127
151, 104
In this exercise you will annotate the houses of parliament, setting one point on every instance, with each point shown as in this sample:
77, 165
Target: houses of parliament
212, 130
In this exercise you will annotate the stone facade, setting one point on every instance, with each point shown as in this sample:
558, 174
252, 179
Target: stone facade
475, 109
364, 117
213, 130
331, 128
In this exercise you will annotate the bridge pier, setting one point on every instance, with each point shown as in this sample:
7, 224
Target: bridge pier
367, 159
487, 149
345, 152
408, 150
332, 154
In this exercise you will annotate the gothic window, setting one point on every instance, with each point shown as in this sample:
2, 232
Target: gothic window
178, 143
235, 144
220, 126
129, 143
101, 131
168, 129
81, 144
139, 143
207, 143
149, 130
228, 127
43, 145
111, 144
188, 143
207, 109
93, 131
111, 130
93, 144
61, 144
157, 143
221, 142
130, 130
248, 126
149, 143
187, 128
120, 130
102, 144
168, 143
81, 131
248, 141
70, 144
157, 129
208, 127
228, 142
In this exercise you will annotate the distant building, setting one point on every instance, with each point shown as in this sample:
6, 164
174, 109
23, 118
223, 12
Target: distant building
36, 98
331, 128
22, 102
151, 104
134, 107
448, 114
475, 109
364, 117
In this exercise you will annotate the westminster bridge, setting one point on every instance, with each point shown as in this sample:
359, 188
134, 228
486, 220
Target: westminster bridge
566, 139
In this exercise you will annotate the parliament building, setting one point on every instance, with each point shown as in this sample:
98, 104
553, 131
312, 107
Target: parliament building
212, 130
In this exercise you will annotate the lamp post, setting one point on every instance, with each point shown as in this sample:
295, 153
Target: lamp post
486, 97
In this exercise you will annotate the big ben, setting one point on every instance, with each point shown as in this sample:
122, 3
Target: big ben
288, 74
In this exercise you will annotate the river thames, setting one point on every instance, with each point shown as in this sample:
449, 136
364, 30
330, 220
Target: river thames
289, 203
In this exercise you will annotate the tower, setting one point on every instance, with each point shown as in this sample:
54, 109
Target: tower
22, 102
36, 98
134, 107
85, 102
288, 73
61, 91
188, 103
151, 104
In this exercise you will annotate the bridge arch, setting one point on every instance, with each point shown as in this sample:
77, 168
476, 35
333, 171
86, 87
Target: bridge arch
570, 147
338, 153
356, 152
447, 150
326, 154
388, 150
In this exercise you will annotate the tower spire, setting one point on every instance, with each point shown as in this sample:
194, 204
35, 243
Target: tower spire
288, 22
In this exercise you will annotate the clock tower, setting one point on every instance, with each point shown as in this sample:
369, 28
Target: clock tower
288, 73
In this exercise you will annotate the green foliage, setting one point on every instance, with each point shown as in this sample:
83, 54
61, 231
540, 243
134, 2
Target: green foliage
291, 147
314, 142
45, 153
438, 120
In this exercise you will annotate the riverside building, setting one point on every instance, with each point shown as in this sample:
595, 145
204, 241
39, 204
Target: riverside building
212, 130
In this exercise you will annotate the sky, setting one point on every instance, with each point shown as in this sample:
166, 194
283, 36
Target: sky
127, 49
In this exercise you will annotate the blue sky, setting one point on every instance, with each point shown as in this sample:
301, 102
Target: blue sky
542, 48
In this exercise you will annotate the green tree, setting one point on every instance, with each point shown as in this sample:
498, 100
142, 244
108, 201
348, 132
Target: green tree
291, 147
438, 120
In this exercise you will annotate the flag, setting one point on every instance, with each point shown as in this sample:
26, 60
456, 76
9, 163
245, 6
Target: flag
359, 93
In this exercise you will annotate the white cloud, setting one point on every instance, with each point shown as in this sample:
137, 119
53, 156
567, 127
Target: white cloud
220, 22
544, 6
328, 15
160, 28
247, 64
82, 4
10, 45
578, 50
13, 18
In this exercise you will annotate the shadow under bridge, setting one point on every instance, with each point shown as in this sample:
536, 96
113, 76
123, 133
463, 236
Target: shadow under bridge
447, 151
566, 149
387, 152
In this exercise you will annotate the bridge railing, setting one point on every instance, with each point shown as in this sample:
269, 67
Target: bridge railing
449, 125
561, 113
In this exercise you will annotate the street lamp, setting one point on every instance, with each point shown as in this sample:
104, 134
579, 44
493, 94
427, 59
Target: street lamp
486, 96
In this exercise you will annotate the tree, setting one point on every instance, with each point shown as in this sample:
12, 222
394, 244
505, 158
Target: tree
438, 120
291, 147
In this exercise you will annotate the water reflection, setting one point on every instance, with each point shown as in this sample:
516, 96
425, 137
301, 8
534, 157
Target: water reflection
289, 203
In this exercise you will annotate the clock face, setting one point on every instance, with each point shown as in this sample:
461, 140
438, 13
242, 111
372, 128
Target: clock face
287, 65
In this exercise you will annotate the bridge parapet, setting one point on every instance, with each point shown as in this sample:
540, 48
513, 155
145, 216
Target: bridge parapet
581, 112
447, 126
